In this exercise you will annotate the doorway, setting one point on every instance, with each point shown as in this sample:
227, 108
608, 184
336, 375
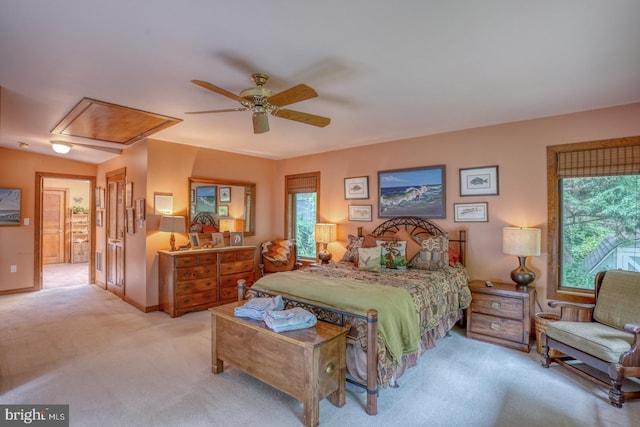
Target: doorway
65, 218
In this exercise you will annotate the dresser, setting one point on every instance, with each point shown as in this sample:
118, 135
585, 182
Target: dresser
501, 314
201, 278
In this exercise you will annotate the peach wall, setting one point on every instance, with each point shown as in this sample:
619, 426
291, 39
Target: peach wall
519, 150
17, 243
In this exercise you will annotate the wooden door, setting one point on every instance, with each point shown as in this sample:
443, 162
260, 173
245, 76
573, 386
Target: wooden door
54, 232
115, 223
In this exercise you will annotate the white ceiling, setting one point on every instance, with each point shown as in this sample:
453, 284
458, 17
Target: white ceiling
384, 69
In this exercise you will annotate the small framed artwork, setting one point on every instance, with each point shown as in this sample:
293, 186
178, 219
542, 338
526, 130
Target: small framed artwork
206, 198
10, 206
140, 207
419, 192
99, 197
236, 238
163, 203
223, 210
225, 194
217, 240
470, 212
128, 194
360, 213
98, 218
194, 239
131, 228
481, 181
356, 188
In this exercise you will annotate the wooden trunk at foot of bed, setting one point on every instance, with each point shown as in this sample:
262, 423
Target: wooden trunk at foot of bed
372, 352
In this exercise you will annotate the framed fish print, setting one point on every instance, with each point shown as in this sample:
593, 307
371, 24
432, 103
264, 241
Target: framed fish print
356, 188
480, 181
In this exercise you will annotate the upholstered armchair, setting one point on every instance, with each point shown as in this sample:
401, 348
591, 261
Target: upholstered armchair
278, 255
604, 335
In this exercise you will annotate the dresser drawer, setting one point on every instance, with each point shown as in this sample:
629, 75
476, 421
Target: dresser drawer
498, 327
231, 280
192, 286
511, 308
194, 299
194, 273
236, 267
239, 255
192, 260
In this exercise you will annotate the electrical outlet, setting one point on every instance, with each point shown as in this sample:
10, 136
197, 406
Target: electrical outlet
14, 268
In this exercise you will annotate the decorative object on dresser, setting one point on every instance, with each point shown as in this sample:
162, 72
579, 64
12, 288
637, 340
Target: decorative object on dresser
313, 358
172, 224
500, 313
604, 336
203, 278
325, 234
521, 242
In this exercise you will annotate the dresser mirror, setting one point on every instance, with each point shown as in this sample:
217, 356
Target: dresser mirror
231, 205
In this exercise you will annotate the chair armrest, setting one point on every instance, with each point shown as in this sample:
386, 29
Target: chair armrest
632, 328
574, 312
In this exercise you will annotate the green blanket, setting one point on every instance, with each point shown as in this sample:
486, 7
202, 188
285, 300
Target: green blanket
397, 317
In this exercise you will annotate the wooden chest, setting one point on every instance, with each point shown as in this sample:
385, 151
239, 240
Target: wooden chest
307, 364
199, 279
501, 314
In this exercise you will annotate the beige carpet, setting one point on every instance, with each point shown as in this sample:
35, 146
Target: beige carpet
116, 366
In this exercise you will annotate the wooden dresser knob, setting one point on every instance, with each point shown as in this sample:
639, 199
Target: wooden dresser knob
495, 326
495, 305
330, 368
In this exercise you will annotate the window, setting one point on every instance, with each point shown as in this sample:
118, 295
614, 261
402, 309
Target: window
301, 211
594, 213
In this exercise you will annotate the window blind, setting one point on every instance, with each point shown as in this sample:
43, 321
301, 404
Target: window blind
599, 162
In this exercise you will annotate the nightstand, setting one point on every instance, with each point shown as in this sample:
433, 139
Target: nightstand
501, 314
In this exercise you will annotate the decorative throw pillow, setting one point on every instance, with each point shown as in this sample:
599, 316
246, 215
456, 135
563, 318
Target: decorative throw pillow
369, 259
454, 257
413, 247
393, 255
370, 240
355, 242
278, 255
434, 253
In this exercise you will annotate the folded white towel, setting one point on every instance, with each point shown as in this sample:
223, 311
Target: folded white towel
256, 308
289, 320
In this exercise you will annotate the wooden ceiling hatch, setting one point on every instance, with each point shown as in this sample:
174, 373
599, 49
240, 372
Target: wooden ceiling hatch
108, 122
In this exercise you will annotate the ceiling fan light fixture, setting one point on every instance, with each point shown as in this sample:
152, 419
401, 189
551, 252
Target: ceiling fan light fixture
60, 147
260, 122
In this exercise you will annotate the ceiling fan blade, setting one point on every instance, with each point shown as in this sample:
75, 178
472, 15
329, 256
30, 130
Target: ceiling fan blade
219, 90
297, 93
217, 111
309, 119
260, 122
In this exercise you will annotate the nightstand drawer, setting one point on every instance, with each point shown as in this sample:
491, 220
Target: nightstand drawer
498, 327
511, 308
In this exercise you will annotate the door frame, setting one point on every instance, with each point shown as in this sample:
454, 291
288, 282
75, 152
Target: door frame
37, 224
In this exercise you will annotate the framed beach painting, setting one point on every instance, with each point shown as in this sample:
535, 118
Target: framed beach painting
416, 192
10, 206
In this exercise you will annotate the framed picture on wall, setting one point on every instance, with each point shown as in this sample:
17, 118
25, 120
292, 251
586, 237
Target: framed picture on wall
481, 181
360, 213
10, 206
471, 212
225, 194
416, 192
223, 210
356, 188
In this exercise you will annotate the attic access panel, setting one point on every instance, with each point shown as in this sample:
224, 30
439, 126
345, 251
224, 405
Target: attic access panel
104, 121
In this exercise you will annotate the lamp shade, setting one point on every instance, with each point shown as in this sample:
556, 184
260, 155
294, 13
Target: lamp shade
325, 233
172, 224
227, 224
521, 241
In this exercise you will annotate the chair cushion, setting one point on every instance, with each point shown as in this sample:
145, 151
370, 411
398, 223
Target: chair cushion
593, 338
618, 301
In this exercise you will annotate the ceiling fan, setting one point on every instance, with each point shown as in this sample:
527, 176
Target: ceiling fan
262, 101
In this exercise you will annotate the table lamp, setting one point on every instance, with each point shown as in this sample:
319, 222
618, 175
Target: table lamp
325, 234
521, 242
172, 224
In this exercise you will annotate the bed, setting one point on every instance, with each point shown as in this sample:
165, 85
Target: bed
410, 296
